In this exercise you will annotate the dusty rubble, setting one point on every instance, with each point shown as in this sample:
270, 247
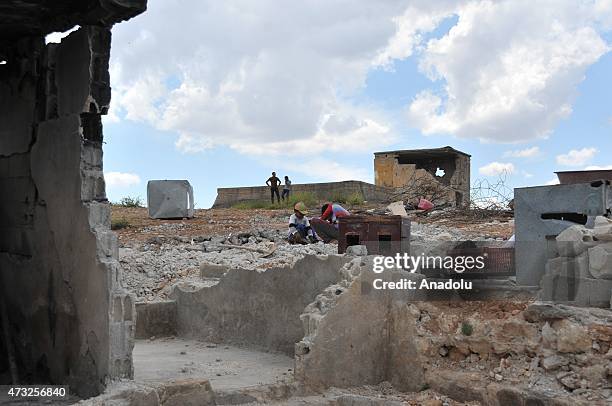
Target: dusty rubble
475, 351
155, 254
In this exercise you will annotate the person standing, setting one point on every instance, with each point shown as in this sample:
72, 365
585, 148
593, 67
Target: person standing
286, 189
274, 182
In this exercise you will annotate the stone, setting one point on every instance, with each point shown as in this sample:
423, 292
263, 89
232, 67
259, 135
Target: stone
554, 362
208, 270
603, 232
397, 209
357, 250
600, 261
571, 337
456, 355
549, 336
572, 241
569, 380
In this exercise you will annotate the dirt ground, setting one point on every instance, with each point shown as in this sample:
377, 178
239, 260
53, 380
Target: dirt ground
208, 222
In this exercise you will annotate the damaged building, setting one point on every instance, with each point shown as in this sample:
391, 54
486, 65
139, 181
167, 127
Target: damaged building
440, 174
66, 318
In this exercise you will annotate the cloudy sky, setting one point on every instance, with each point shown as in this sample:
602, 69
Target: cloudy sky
223, 92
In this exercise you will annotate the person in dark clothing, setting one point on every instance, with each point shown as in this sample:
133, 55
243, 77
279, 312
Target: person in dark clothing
273, 182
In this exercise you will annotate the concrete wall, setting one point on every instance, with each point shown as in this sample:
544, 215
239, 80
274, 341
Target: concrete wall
370, 334
226, 197
258, 309
71, 322
156, 319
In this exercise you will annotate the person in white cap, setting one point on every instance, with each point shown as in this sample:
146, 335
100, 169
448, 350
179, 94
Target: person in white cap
300, 231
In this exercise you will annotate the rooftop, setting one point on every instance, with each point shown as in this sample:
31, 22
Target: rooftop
431, 152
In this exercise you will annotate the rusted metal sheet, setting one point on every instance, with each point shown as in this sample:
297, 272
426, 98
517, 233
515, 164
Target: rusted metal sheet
498, 261
380, 234
571, 177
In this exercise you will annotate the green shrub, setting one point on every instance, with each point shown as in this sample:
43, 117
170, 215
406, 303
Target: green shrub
466, 329
356, 199
309, 199
118, 224
338, 197
252, 204
131, 202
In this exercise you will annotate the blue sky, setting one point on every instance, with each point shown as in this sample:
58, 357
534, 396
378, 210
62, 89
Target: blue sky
314, 96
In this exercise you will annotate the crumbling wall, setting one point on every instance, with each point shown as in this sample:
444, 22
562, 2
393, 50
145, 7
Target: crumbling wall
496, 352
260, 309
355, 335
226, 197
416, 169
71, 322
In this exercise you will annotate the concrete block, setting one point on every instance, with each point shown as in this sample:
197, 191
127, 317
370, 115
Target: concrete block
602, 221
534, 232
603, 232
107, 243
573, 241
212, 270
600, 261
156, 319
593, 292
169, 199
99, 214
357, 250
397, 209
93, 187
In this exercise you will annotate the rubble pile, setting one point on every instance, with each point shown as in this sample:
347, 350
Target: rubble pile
553, 349
151, 269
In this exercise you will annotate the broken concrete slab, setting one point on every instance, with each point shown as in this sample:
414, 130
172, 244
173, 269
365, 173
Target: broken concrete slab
600, 261
366, 350
357, 250
183, 392
398, 209
603, 230
573, 241
208, 270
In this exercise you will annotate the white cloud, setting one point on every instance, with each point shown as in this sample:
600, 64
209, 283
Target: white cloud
496, 168
527, 175
121, 179
598, 168
553, 181
325, 170
264, 79
576, 157
510, 68
254, 76
523, 153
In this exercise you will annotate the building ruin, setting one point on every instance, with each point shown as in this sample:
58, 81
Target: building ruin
441, 174
69, 320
